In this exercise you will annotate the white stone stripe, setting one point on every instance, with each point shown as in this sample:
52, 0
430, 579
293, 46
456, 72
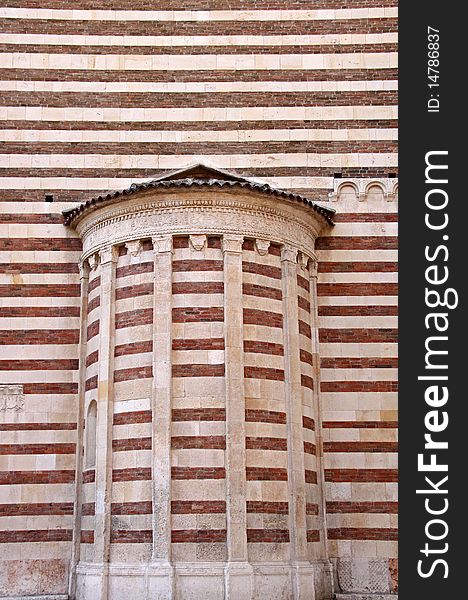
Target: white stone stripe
44, 351
356, 229
199, 87
350, 277
104, 183
14, 324
362, 492
41, 377
358, 374
365, 350
197, 15
38, 278
198, 62
243, 113
197, 40
357, 255
182, 137
49, 492
60, 436
42, 302
229, 161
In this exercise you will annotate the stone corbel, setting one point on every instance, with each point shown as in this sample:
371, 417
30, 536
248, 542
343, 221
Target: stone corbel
93, 261
134, 249
108, 254
262, 246
198, 242
303, 260
83, 267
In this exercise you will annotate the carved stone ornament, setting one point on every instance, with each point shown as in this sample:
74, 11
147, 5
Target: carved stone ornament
198, 242
108, 254
262, 246
93, 261
289, 253
134, 248
162, 243
303, 260
11, 398
233, 243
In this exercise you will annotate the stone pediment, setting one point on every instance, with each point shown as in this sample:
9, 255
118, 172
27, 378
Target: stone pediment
197, 175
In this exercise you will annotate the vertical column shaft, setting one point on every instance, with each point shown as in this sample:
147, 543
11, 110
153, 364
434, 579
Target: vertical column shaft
162, 398
84, 282
293, 393
105, 412
313, 268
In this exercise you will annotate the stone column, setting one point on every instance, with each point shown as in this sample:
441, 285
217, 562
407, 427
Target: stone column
75, 557
160, 572
105, 413
302, 572
238, 575
324, 570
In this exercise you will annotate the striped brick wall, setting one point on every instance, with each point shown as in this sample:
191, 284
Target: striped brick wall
294, 93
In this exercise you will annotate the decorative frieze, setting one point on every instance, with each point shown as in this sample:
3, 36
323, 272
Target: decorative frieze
11, 398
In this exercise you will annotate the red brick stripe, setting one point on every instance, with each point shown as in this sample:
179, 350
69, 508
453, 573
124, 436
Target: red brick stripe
362, 507
91, 383
266, 443
37, 244
128, 418
307, 382
272, 508
312, 509
37, 426
33, 509
33, 290
359, 424
267, 536
253, 316
360, 446
87, 537
131, 444
363, 533
263, 348
308, 423
198, 472
133, 373
179, 266
92, 358
42, 477
94, 283
359, 362
197, 507
198, 344
303, 283
378, 242
365, 218
261, 291
264, 373
10, 449
359, 386
357, 267
198, 414
57, 364
264, 416
206, 99
368, 336
198, 287
310, 476
50, 388
136, 474
37, 268
41, 311
134, 291
133, 348
197, 536
217, 442
134, 318
88, 509
357, 311
131, 536
309, 448
195, 370
306, 357
304, 329
89, 476
132, 508
361, 475
357, 289
313, 535
136, 269
198, 315
92, 330
94, 303
303, 303
266, 474
259, 269
36, 535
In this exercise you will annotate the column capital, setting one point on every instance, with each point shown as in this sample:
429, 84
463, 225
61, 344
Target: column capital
289, 253
162, 243
232, 243
313, 267
108, 254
